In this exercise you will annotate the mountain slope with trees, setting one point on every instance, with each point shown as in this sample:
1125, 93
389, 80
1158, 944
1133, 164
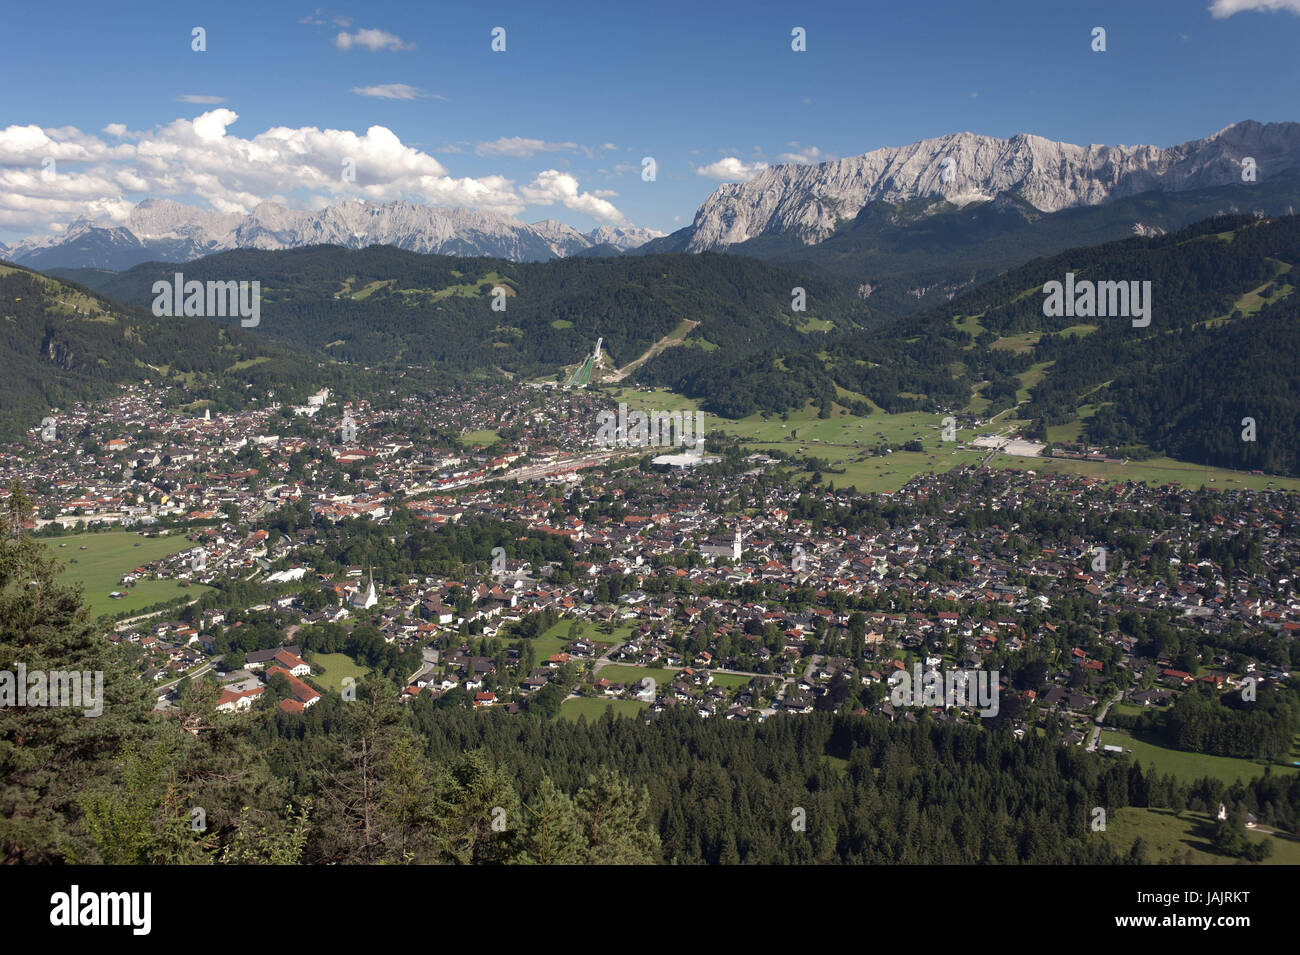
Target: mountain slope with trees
61, 343
382, 305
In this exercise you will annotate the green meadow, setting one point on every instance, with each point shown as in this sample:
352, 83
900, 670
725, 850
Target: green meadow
486, 438
98, 561
630, 673
594, 708
329, 669
1187, 767
1166, 834
557, 637
843, 438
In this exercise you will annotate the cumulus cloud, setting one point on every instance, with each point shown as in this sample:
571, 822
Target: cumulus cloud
1220, 9
731, 169
200, 161
373, 40
394, 91
555, 186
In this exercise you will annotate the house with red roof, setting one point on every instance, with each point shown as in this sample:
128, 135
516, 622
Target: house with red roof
300, 690
232, 701
293, 663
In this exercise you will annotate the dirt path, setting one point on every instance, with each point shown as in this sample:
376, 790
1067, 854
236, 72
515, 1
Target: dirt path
668, 341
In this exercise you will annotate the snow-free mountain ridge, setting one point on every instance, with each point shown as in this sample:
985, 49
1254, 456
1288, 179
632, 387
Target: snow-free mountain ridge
163, 230
808, 201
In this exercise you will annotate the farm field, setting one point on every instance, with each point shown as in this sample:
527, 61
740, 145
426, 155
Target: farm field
336, 666
1187, 766
1166, 834
111, 554
593, 708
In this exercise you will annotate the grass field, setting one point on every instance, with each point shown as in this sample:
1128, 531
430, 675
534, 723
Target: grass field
1166, 834
842, 438
593, 708
627, 673
329, 669
1154, 471
1132, 709
107, 557
1187, 766
557, 637
486, 438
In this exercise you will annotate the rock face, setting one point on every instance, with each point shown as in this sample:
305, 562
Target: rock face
162, 230
808, 200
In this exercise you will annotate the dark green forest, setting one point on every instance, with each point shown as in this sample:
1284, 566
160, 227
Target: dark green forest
437, 309
914, 255
380, 310
370, 780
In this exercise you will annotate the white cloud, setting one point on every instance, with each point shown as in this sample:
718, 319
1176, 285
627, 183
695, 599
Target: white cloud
804, 154
555, 186
394, 91
1220, 9
200, 100
373, 40
318, 19
731, 169
201, 162
521, 148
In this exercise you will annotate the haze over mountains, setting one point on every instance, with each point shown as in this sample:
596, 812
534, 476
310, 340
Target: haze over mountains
166, 231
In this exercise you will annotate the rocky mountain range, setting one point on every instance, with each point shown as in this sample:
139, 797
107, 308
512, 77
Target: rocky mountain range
809, 202
801, 205
162, 230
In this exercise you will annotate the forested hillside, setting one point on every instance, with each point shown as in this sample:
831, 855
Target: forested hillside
1223, 321
368, 780
383, 305
60, 343
909, 256
1221, 297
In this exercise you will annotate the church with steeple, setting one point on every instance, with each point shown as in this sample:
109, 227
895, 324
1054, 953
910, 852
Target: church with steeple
716, 547
365, 599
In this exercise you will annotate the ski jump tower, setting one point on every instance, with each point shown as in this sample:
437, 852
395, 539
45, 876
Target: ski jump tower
582, 376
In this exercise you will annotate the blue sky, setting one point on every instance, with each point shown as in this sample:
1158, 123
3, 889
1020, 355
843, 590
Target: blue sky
556, 126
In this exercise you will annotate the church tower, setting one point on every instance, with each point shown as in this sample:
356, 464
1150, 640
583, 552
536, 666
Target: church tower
369, 598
